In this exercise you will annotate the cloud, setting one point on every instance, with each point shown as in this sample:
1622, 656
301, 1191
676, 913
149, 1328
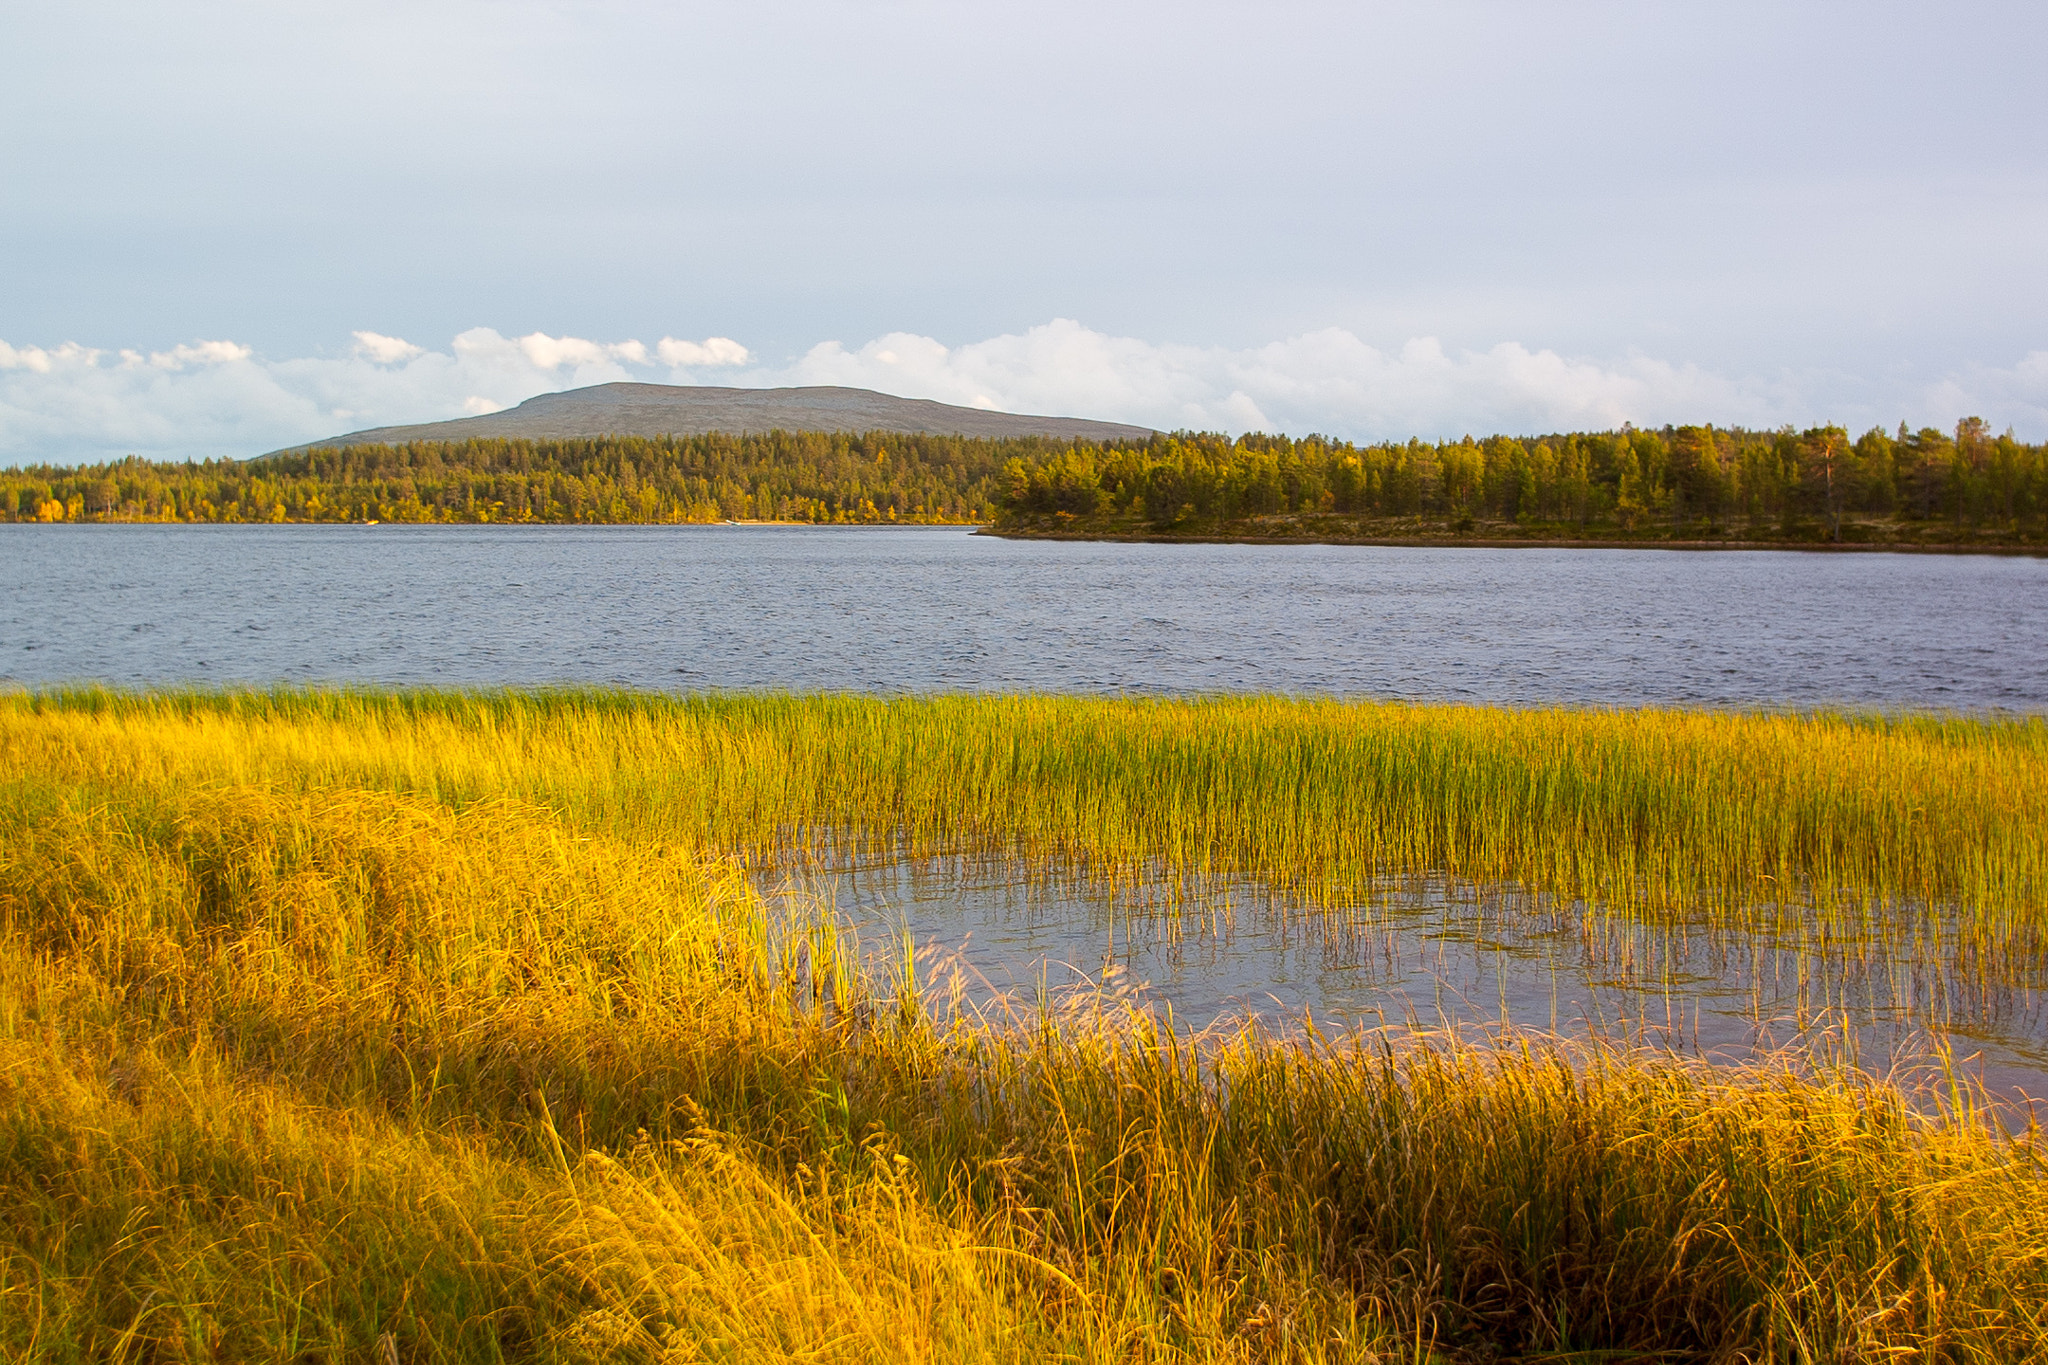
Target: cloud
217, 399
385, 350
198, 353
2018, 396
553, 353
68, 403
42, 361
1328, 381
710, 351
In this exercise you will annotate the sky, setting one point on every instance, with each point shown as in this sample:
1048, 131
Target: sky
227, 227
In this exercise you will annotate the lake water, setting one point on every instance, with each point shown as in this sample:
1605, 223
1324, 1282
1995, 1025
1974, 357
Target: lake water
917, 610
939, 609
1434, 953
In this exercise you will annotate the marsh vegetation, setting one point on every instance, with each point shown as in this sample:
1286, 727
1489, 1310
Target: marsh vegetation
471, 1023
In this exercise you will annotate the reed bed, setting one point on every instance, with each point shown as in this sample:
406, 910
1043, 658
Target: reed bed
1828, 816
437, 1027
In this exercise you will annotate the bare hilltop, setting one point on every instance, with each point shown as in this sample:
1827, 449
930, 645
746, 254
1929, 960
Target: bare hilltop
688, 410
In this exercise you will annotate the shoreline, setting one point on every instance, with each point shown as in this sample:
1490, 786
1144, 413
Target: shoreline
1160, 538
487, 525
1530, 543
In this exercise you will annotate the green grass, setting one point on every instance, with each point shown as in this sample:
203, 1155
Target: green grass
456, 1018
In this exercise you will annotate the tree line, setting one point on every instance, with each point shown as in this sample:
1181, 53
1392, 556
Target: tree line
1816, 484
1676, 482
778, 476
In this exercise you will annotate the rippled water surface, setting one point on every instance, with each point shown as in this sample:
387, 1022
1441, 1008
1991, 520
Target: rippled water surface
911, 610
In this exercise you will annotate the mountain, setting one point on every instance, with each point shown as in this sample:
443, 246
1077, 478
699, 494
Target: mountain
687, 410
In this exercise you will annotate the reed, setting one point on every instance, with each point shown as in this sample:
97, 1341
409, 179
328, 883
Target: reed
456, 1018
1642, 811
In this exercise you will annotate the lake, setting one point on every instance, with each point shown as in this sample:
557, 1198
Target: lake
940, 609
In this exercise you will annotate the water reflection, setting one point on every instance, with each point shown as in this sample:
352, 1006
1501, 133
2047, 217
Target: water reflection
993, 935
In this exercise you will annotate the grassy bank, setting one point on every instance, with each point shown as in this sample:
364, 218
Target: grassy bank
454, 1019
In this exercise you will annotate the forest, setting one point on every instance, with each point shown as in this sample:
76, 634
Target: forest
813, 477
1677, 483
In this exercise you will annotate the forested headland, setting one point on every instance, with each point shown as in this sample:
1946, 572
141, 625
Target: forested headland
1820, 486
1675, 484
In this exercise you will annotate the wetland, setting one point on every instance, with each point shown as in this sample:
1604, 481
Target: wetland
1402, 999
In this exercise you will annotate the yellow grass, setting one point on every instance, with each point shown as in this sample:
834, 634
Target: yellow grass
1637, 808
455, 1022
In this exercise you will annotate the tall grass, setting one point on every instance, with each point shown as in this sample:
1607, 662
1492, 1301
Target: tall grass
455, 1023
1633, 809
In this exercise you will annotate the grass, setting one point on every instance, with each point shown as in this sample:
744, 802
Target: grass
1825, 818
451, 1025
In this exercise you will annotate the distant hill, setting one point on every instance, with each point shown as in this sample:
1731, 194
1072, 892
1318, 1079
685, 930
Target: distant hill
687, 410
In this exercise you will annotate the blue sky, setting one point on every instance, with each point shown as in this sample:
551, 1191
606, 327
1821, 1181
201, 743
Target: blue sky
227, 227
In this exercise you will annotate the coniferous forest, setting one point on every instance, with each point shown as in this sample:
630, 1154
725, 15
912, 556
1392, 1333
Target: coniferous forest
1966, 487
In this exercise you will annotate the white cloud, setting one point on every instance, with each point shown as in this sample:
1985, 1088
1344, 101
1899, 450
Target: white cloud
70, 403
552, 353
1327, 381
710, 351
385, 350
197, 353
2018, 396
42, 361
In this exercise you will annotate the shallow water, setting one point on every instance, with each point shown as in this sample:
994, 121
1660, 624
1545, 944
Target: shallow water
938, 609
1004, 938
